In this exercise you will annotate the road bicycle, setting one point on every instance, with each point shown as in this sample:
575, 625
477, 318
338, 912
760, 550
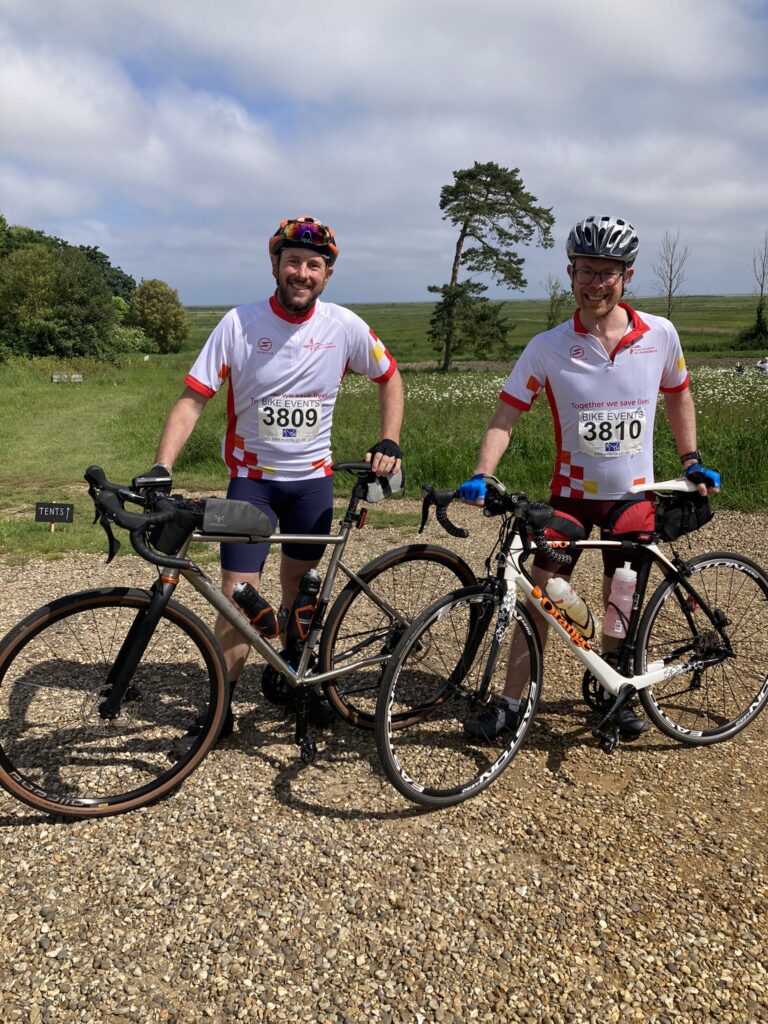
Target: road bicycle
98, 689
695, 650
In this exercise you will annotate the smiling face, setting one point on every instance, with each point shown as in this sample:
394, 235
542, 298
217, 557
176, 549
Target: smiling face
598, 283
301, 276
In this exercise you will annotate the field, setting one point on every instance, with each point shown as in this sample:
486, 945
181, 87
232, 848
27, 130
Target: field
52, 431
707, 324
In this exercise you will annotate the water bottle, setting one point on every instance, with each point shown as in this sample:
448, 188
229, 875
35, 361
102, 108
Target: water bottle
260, 612
620, 602
300, 618
562, 594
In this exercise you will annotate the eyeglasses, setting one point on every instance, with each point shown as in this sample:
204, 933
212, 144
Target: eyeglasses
583, 275
306, 232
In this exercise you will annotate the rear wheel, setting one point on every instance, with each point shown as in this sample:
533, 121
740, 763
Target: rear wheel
58, 753
718, 670
366, 627
450, 669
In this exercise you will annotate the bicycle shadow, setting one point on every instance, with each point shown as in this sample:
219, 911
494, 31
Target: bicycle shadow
554, 733
344, 781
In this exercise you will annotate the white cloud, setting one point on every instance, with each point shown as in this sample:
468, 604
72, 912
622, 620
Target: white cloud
181, 132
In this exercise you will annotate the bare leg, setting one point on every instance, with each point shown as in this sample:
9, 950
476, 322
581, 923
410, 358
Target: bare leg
234, 648
291, 572
517, 666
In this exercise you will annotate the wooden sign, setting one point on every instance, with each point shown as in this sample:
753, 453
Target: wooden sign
53, 512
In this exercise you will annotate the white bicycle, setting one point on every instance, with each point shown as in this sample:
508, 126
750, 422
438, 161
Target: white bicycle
695, 650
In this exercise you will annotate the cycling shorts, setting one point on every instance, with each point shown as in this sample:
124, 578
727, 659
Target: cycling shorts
296, 506
602, 514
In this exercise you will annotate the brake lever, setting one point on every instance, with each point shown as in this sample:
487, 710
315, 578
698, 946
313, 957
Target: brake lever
425, 507
113, 543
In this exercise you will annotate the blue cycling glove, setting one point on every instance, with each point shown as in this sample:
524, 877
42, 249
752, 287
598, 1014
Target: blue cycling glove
473, 489
699, 474
476, 487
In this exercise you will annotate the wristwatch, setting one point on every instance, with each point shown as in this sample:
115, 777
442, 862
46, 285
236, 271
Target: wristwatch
694, 456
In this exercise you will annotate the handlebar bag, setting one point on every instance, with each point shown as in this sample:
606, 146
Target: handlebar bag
169, 537
232, 517
678, 514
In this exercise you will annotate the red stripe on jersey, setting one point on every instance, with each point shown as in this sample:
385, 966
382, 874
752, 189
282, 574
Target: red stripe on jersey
504, 396
680, 387
556, 422
283, 314
387, 375
199, 387
639, 328
230, 438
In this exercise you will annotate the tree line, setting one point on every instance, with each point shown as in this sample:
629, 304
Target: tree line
65, 300
58, 299
494, 214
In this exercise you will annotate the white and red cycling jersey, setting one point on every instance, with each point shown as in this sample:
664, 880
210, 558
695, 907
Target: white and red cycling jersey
283, 374
603, 406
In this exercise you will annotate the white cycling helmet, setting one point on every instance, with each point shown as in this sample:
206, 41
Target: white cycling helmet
608, 237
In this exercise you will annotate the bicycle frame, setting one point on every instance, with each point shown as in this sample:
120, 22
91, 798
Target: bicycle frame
610, 679
300, 675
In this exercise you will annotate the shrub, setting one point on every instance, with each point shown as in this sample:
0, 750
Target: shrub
156, 309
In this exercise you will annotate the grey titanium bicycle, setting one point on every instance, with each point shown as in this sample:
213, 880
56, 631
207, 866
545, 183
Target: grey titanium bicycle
696, 649
98, 689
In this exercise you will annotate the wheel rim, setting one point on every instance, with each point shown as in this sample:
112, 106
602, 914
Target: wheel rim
58, 749
727, 684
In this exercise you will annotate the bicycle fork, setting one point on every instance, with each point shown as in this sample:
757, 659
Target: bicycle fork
117, 686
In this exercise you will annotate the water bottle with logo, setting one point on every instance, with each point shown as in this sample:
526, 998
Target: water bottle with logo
620, 602
573, 607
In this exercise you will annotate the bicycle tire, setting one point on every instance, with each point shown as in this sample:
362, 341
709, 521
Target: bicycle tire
712, 702
409, 578
57, 753
442, 673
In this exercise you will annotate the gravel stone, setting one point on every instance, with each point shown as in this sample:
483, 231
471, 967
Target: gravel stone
579, 889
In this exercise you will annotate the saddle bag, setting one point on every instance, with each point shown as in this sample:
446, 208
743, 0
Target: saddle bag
678, 514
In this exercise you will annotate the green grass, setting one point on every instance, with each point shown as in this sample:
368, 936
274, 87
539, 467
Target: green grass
707, 324
50, 432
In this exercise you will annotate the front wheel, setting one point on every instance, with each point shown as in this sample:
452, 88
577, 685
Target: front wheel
58, 753
445, 679
718, 666
364, 626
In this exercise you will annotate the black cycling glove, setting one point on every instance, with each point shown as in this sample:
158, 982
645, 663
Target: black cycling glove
386, 447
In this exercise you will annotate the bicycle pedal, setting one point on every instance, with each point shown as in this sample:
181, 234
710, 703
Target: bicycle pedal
607, 741
307, 749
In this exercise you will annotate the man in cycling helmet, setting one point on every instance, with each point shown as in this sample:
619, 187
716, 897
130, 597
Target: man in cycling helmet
601, 372
283, 360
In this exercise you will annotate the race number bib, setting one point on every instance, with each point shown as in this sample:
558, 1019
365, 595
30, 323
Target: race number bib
610, 433
289, 418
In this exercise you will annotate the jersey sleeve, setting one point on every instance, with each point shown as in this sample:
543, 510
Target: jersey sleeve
528, 377
213, 364
675, 376
368, 355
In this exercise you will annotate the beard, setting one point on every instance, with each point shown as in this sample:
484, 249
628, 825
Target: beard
294, 304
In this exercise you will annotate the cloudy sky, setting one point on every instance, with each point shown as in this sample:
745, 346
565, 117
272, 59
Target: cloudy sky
175, 134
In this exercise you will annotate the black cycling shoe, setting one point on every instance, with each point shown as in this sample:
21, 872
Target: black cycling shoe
278, 691
275, 687
629, 723
185, 743
320, 711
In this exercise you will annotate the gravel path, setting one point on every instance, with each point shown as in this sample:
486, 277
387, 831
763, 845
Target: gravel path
579, 888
